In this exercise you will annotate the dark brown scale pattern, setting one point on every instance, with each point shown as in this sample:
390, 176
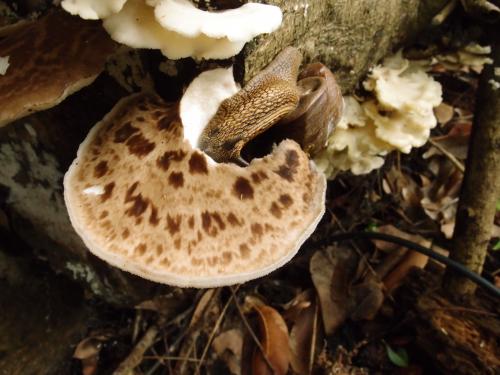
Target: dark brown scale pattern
174, 224
139, 204
198, 164
125, 132
139, 145
168, 157
243, 189
108, 191
101, 169
289, 168
176, 179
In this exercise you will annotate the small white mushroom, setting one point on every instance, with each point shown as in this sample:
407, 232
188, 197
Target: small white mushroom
236, 25
202, 99
93, 9
169, 216
4, 64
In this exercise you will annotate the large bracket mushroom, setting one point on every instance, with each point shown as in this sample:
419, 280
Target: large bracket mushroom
146, 200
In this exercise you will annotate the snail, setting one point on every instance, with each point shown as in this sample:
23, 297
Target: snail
274, 106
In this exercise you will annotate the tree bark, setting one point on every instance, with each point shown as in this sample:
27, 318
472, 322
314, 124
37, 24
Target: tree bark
350, 36
481, 185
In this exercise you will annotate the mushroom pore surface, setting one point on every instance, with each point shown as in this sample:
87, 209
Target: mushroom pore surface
145, 201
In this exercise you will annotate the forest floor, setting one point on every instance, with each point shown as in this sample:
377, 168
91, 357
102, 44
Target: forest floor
356, 307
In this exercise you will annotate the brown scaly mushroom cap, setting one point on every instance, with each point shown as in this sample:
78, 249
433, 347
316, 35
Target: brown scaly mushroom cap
49, 59
145, 201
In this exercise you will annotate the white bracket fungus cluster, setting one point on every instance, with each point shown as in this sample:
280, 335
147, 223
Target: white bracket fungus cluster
177, 27
399, 116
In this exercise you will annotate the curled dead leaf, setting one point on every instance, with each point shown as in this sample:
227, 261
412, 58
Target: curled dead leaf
274, 338
335, 272
303, 333
443, 113
88, 351
410, 260
228, 346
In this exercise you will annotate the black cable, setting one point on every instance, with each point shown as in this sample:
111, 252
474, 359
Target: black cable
455, 266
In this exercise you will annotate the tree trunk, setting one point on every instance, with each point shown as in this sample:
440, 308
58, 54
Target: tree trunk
481, 185
350, 36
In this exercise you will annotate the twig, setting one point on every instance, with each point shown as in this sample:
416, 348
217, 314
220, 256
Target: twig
449, 155
445, 12
171, 358
137, 354
137, 322
314, 336
212, 334
464, 309
196, 326
250, 331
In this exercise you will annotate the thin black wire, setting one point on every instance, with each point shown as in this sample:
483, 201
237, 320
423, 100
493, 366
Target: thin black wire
455, 266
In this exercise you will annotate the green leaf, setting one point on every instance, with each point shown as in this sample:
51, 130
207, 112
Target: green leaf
372, 227
496, 247
398, 357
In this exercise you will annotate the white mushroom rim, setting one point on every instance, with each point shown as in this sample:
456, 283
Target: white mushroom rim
169, 216
202, 98
4, 64
177, 27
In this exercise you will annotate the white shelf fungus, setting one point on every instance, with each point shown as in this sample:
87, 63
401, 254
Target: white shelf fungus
4, 64
177, 27
202, 99
399, 116
92, 9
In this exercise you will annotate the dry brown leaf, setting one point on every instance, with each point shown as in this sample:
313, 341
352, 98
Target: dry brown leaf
444, 113
228, 346
455, 144
303, 333
165, 304
392, 230
88, 351
410, 260
331, 272
295, 307
274, 339
440, 196
201, 306
250, 302
335, 272
394, 268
